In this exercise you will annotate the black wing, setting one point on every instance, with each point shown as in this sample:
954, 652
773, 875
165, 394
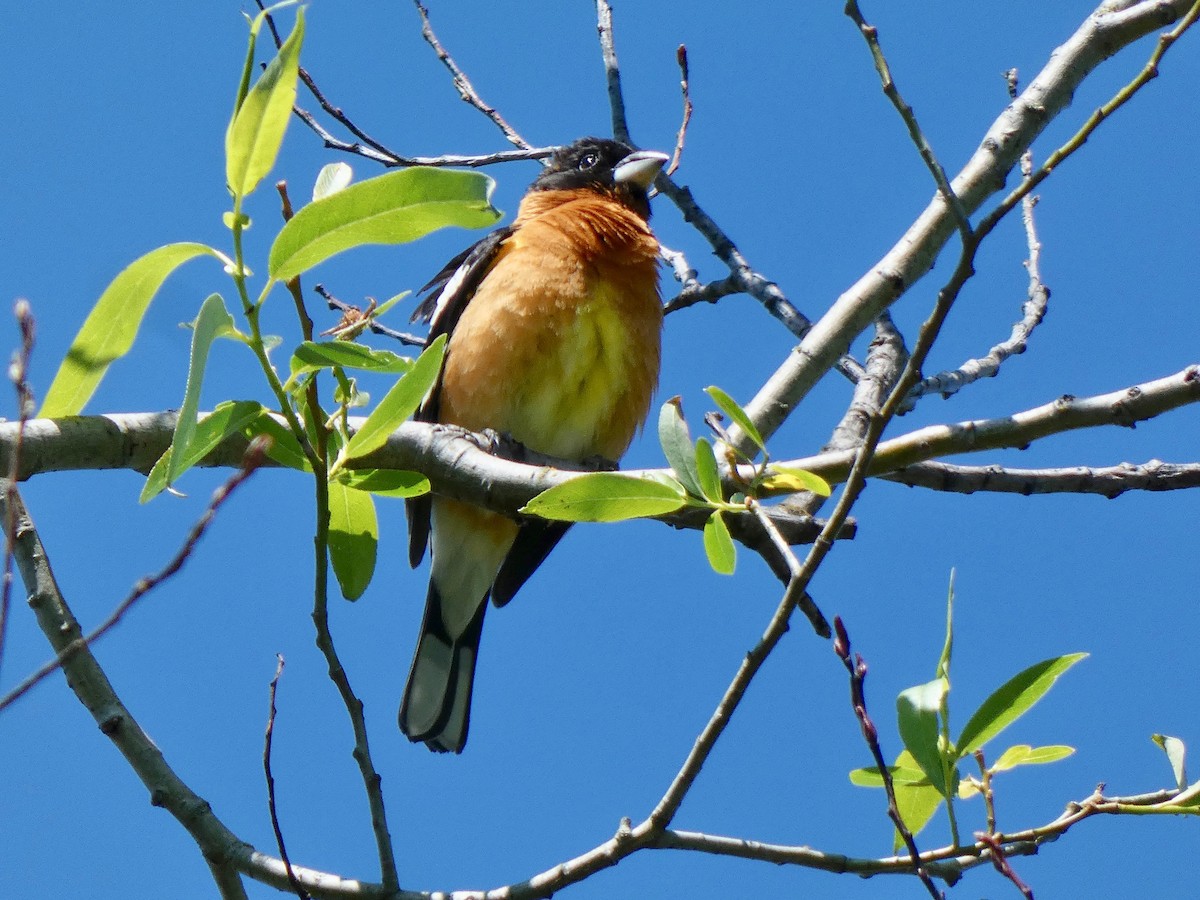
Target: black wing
449, 293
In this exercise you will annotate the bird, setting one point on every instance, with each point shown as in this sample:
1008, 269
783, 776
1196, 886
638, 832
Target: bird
555, 327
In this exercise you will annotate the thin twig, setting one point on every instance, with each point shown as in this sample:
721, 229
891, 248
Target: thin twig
612, 71
681, 57
18, 372
871, 34
268, 743
372, 782
985, 788
1001, 864
1148, 73
409, 340
255, 454
463, 85
1032, 311
913, 255
857, 669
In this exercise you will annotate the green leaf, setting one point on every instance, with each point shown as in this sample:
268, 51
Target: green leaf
228, 418
1176, 755
386, 482
707, 472
916, 804
389, 303
311, 356
1025, 755
397, 405
606, 497
917, 710
871, 777
1011, 700
730, 407
109, 330
393, 208
254, 136
677, 445
332, 178
284, 449
353, 538
213, 319
788, 478
718, 545
916, 801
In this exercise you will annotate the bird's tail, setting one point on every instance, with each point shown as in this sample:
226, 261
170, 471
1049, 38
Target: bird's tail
437, 699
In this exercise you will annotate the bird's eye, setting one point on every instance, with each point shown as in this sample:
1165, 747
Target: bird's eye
588, 161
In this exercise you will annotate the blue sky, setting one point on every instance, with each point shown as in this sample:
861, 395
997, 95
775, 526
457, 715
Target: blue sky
593, 685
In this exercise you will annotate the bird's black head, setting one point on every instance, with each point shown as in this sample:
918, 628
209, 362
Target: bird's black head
603, 165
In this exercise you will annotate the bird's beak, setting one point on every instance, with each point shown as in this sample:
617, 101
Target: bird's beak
640, 168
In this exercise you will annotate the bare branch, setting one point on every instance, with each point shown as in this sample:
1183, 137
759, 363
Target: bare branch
449, 456
1125, 407
1116, 24
871, 36
252, 460
682, 58
612, 71
857, 670
1109, 481
19, 374
1032, 312
268, 742
463, 85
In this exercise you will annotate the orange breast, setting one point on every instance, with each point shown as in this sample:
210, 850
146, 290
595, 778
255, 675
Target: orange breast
559, 347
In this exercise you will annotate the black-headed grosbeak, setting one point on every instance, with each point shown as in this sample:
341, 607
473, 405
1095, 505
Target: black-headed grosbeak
555, 326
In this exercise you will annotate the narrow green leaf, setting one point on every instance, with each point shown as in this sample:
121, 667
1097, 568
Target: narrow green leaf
212, 320
606, 497
1011, 700
390, 302
718, 545
738, 415
398, 404
1176, 754
386, 482
254, 136
332, 178
311, 356
917, 710
1025, 755
109, 330
871, 777
677, 445
707, 472
226, 419
787, 478
393, 208
284, 449
353, 538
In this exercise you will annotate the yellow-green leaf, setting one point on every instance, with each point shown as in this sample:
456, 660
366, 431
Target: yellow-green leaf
109, 330
226, 419
1011, 700
785, 478
718, 545
353, 538
393, 208
213, 320
606, 497
731, 408
255, 135
707, 472
386, 482
398, 404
